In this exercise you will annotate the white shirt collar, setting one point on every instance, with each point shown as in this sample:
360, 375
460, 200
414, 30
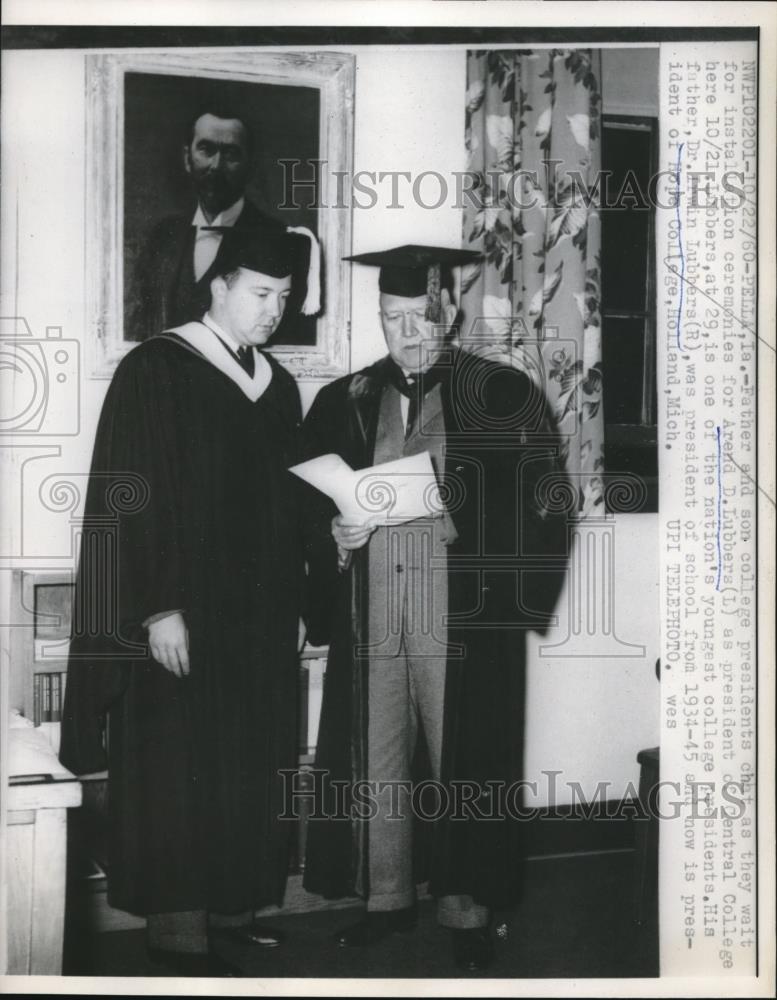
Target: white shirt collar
230, 341
226, 218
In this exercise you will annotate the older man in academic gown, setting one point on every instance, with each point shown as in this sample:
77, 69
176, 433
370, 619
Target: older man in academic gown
187, 612
426, 620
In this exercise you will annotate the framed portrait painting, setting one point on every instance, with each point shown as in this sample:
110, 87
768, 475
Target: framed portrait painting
296, 114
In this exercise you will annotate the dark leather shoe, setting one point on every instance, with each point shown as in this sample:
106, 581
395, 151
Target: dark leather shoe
182, 963
473, 949
257, 935
376, 925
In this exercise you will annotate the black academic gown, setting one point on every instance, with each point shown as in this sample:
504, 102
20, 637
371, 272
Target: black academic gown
508, 498
189, 507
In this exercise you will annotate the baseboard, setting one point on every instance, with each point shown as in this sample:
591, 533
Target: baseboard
582, 828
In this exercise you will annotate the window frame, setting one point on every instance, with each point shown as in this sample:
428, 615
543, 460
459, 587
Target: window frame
643, 436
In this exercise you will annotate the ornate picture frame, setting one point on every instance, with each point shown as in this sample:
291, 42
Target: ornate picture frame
325, 80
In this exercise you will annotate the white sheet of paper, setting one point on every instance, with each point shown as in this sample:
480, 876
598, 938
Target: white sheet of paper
389, 493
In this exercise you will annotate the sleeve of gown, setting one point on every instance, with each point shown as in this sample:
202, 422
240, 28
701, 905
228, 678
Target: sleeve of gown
539, 535
129, 566
137, 454
323, 580
291, 455
546, 499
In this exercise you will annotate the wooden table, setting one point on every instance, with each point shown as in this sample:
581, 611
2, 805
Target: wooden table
37, 843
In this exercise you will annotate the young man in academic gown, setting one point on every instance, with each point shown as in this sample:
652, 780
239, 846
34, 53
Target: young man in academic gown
188, 606
426, 621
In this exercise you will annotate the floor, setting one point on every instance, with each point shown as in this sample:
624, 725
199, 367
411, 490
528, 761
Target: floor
575, 921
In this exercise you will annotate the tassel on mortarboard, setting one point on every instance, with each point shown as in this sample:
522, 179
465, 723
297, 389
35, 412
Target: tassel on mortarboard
312, 303
433, 302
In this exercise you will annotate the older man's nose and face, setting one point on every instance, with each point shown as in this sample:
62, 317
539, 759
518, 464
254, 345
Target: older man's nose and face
217, 159
413, 342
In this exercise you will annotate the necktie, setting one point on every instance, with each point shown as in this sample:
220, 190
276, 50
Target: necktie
414, 388
245, 355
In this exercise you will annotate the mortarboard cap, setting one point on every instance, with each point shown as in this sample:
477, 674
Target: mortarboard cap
277, 252
413, 270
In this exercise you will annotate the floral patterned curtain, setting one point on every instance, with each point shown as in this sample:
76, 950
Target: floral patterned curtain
533, 137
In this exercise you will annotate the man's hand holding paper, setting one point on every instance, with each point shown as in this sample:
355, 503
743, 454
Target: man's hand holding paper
390, 493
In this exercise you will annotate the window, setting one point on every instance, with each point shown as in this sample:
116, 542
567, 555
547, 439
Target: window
629, 160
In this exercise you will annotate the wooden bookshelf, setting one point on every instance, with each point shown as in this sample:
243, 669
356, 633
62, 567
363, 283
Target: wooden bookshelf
40, 638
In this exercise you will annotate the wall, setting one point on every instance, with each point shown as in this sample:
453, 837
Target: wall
587, 717
630, 81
